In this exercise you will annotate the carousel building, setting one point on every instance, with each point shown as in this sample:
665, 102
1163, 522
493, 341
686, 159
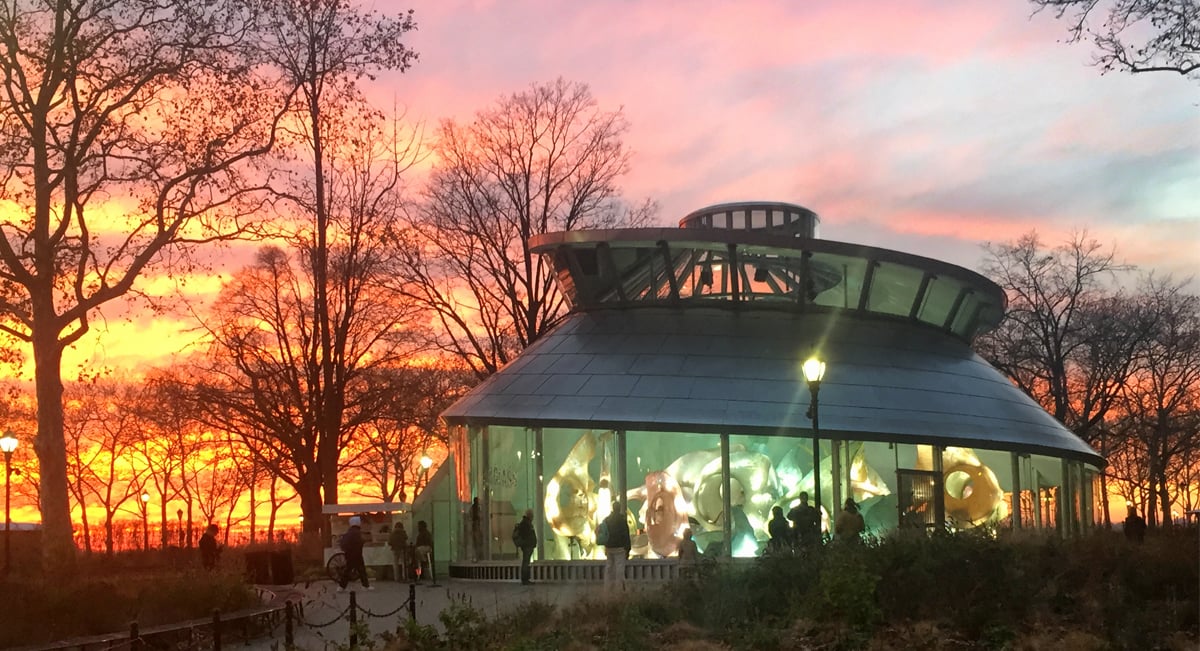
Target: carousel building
676, 388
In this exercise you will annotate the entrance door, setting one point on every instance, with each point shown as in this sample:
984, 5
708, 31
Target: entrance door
920, 499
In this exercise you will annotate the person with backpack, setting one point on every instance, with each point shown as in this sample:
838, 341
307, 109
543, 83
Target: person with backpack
525, 538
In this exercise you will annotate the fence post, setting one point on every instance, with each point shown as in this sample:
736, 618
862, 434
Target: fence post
135, 638
353, 621
216, 624
289, 635
412, 601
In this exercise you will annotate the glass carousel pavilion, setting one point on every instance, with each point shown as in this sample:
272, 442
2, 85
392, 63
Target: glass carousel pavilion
675, 388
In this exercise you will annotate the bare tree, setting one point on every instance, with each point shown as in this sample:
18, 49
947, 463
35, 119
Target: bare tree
406, 425
1162, 398
258, 382
106, 434
1135, 35
545, 159
324, 47
145, 107
1068, 337
1065, 339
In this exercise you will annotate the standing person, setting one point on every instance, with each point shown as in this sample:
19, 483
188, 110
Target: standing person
424, 548
1135, 526
689, 554
617, 543
525, 538
806, 522
209, 549
351, 543
849, 524
781, 533
398, 541
476, 530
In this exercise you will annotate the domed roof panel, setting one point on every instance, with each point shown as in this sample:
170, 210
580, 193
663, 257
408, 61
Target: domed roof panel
725, 371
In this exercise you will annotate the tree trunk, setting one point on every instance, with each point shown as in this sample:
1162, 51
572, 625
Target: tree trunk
58, 544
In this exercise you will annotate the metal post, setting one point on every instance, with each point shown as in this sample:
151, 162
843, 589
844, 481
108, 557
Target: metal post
216, 624
289, 633
353, 620
813, 389
7, 519
135, 638
412, 602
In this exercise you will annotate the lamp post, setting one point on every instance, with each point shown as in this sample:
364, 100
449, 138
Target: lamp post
179, 516
426, 463
814, 370
8, 443
145, 521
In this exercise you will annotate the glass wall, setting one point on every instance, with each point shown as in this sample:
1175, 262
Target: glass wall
510, 486
675, 482
978, 485
581, 478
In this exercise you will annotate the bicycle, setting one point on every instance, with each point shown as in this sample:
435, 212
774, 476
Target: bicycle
336, 566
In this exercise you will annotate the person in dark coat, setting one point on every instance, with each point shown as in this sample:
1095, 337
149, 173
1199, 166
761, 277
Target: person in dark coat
476, 530
398, 542
806, 522
209, 549
781, 533
525, 538
352, 546
617, 543
424, 549
1135, 526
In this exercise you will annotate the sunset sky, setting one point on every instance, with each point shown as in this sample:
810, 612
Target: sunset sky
928, 127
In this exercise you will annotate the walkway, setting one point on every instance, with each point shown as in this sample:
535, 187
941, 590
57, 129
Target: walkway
325, 624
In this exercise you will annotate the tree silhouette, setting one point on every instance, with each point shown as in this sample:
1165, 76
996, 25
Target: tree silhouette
323, 47
126, 126
545, 159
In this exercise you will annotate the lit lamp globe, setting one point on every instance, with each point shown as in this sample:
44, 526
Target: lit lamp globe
814, 370
426, 462
8, 443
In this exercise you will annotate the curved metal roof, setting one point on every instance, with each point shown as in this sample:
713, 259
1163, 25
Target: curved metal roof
766, 269
713, 370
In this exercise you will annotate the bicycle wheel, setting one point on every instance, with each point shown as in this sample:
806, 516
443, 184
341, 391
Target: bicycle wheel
336, 566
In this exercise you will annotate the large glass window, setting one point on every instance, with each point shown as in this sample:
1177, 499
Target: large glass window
581, 478
675, 482
509, 482
978, 485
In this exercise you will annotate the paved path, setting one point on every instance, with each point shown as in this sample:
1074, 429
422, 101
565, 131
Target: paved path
322, 603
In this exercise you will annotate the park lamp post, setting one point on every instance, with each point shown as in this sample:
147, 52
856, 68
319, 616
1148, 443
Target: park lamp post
145, 521
814, 371
8, 443
427, 463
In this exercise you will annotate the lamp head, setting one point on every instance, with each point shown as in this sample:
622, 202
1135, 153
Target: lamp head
426, 462
145, 496
814, 370
8, 443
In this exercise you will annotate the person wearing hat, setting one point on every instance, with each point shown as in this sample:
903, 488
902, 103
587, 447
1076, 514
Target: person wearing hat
849, 525
351, 543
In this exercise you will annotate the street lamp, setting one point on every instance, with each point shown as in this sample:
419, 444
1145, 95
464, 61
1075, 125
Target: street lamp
8, 443
426, 463
814, 370
145, 521
179, 516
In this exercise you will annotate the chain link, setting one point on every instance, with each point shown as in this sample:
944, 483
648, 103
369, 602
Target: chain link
387, 614
337, 618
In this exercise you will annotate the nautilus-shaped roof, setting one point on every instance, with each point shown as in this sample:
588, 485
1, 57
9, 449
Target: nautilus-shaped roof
703, 328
